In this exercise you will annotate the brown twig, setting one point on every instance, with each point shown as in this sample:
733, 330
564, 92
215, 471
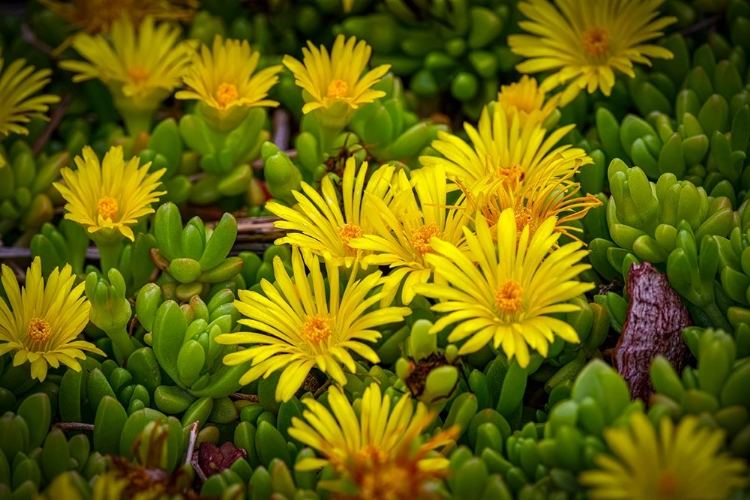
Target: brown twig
322, 389
73, 426
281, 129
245, 397
191, 442
54, 122
701, 25
28, 36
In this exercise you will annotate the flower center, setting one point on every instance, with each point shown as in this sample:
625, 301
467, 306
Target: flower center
316, 329
595, 41
107, 208
387, 482
39, 330
138, 75
509, 296
371, 455
226, 94
348, 232
421, 238
513, 174
669, 485
338, 89
525, 217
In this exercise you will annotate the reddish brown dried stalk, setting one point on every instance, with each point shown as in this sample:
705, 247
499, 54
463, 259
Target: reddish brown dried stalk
654, 324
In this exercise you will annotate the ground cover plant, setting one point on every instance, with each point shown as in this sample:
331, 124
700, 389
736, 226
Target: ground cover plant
425, 249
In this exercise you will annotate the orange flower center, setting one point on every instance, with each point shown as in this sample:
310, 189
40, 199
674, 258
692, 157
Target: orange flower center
39, 330
316, 329
595, 41
338, 89
421, 238
226, 94
513, 174
371, 455
348, 232
525, 217
107, 208
138, 75
509, 296
669, 485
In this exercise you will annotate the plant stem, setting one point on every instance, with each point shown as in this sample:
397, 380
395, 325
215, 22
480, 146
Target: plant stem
109, 255
122, 342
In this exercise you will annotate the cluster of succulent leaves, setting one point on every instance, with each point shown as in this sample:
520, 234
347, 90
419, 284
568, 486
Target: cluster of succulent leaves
670, 150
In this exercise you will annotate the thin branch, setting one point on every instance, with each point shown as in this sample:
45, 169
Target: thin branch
701, 25
281, 130
73, 426
54, 122
28, 36
245, 397
322, 389
191, 442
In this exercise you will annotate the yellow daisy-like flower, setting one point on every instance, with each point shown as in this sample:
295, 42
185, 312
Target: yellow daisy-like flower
318, 222
140, 67
503, 149
375, 446
525, 99
40, 323
327, 80
682, 463
224, 77
110, 196
300, 325
588, 41
97, 16
17, 83
405, 226
505, 295
532, 204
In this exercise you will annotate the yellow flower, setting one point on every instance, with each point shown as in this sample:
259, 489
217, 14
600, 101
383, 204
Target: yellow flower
525, 99
17, 83
97, 16
318, 221
532, 204
507, 299
587, 41
376, 446
109, 197
403, 228
680, 463
41, 323
503, 149
140, 68
224, 77
348, 5
300, 325
327, 80
106, 486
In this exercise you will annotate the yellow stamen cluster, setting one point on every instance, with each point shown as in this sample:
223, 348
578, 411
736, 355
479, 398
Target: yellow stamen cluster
421, 238
509, 296
108, 208
338, 89
348, 232
596, 41
39, 330
316, 329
